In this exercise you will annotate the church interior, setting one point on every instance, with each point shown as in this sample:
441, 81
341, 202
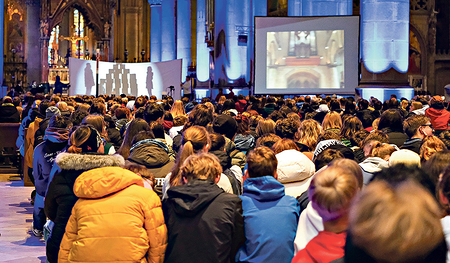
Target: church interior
214, 39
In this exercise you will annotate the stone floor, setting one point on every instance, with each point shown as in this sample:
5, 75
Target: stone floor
17, 243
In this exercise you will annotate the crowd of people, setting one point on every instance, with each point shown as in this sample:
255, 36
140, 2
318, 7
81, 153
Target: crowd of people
240, 179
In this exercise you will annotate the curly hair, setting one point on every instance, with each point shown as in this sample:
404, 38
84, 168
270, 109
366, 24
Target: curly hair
286, 128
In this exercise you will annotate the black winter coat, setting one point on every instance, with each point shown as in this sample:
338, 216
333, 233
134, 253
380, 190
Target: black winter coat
9, 114
204, 223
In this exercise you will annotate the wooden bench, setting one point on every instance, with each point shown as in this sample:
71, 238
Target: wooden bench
8, 136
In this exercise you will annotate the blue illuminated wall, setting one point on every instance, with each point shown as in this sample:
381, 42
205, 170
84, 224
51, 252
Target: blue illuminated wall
168, 47
202, 49
230, 59
184, 34
155, 42
2, 42
320, 7
385, 35
259, 8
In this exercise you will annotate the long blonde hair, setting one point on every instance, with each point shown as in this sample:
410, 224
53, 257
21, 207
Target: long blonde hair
177, 109
265, 126
309, 131
332, 121
194, 140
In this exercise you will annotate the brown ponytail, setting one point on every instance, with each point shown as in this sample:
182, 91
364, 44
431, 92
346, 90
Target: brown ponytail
194, 140
78, 137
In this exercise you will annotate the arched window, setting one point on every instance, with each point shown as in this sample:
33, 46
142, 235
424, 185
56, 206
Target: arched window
53, 46
78, 25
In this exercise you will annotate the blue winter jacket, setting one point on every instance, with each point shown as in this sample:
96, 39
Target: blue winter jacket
270, 222
55, 141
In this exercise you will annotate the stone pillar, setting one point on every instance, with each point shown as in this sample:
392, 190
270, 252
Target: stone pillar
33, 55
385, 48
155, 45
259, 8
64, 30
295, 7
320, 7
44, 58
230, 59
2, 41
168, 46
202, 47
184, 35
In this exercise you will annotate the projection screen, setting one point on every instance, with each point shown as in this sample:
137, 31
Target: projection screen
306, 55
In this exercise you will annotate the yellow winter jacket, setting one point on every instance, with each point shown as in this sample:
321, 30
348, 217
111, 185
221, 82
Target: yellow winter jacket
116, 219
34, 126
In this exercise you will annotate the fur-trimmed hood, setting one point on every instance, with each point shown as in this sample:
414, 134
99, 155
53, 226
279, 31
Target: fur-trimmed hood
73, 161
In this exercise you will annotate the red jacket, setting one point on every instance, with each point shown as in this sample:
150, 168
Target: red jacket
440, 118
241, 105
325, 247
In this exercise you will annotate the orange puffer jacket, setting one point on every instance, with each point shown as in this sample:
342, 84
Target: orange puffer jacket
115, 219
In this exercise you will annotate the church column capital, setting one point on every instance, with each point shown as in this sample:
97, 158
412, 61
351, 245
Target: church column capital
33, 2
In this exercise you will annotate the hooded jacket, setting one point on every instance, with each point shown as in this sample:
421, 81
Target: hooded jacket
325, 247
421, 111
440, 118
115, 219
32, 113
9, 113
60, 197
40, 132
266, 207
233, 173
34, 126
154, 155
295, 171
204, 223
370, 166
55, 141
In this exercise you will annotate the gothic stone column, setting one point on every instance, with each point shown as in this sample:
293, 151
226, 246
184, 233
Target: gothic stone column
33, 42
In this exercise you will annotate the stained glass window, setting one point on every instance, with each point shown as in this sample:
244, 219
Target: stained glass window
78, 22
53, 46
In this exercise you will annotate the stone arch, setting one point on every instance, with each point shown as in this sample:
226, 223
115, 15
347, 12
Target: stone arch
91, 15
423, 46
303, 79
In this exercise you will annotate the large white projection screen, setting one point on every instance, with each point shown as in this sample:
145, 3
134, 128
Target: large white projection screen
125, 78
306, 55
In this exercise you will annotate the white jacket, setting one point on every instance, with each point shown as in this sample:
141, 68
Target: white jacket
295, 171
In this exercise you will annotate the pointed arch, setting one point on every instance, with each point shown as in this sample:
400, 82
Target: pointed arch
424, 48
91, 15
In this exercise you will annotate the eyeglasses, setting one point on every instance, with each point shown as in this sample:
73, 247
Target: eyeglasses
429, 125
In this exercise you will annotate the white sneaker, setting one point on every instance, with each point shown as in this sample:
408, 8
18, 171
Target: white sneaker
36, 232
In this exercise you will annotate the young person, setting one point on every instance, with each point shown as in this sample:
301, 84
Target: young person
331, 193
204, 223
270, 216
115, 219
417, 128
85, 153
55, 141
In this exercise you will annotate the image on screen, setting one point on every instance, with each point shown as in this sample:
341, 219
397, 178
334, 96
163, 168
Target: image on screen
305, 59
306, 55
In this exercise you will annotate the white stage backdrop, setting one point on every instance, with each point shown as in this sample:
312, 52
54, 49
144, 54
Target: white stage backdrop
125, 78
